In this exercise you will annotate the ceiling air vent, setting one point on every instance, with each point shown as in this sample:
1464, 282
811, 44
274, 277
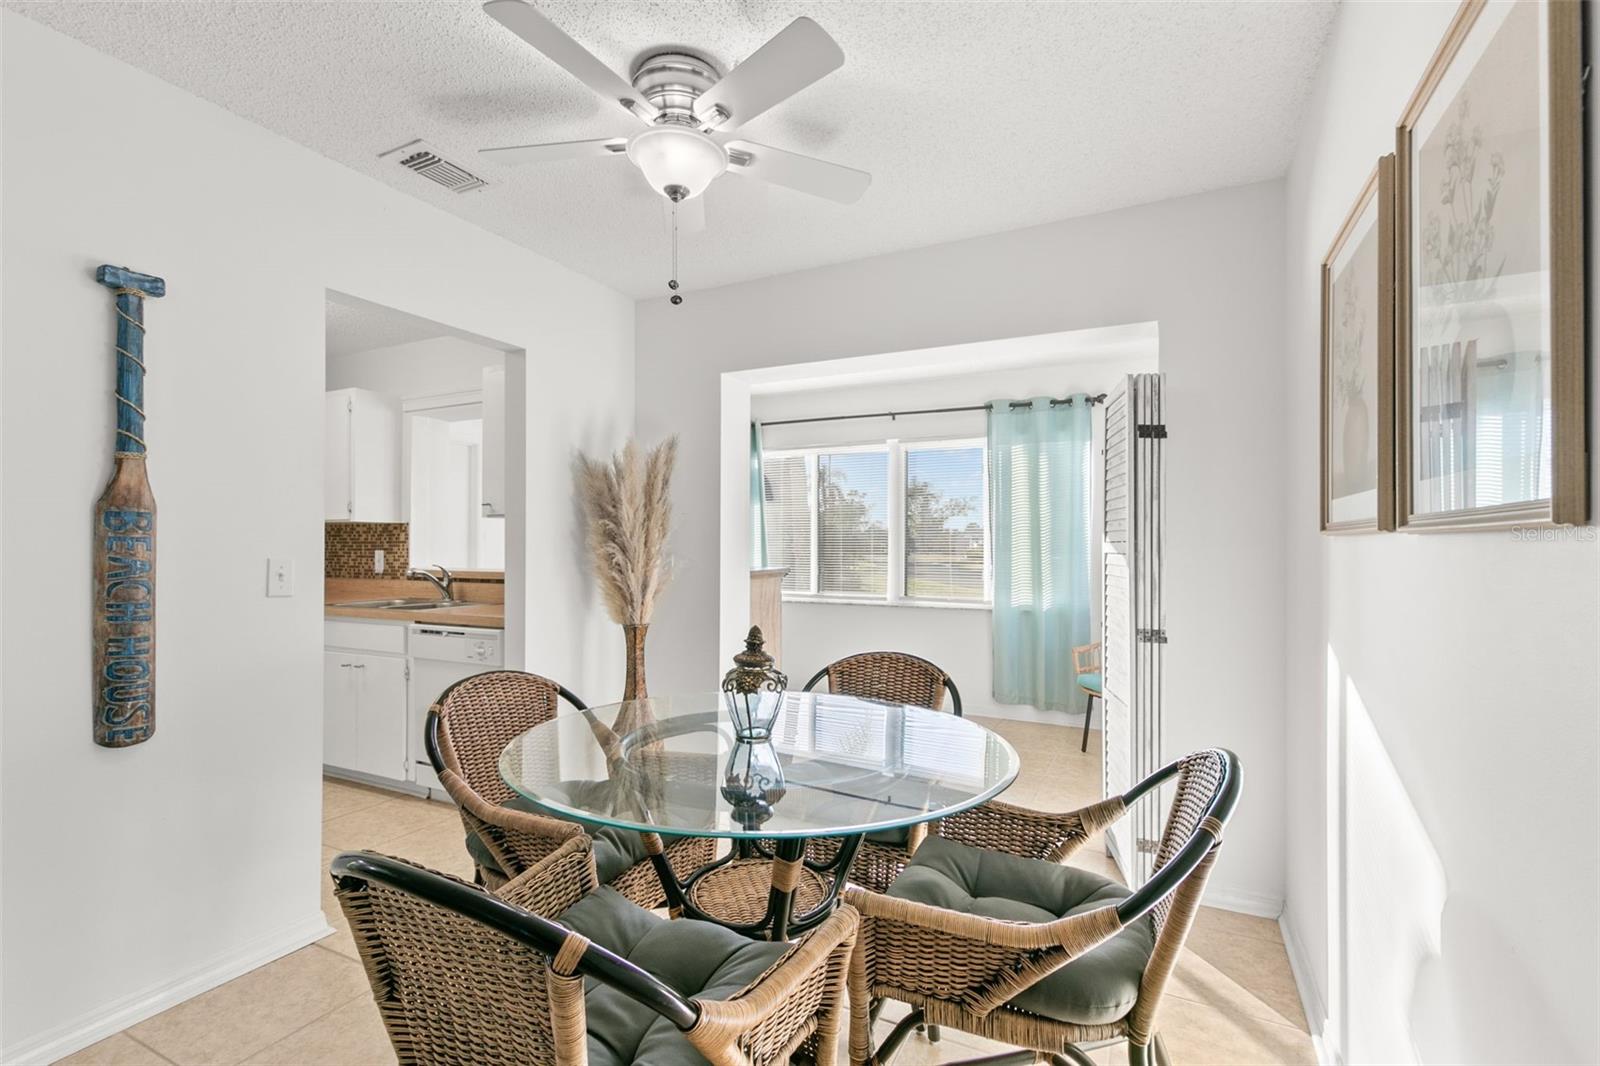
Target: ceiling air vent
419, 156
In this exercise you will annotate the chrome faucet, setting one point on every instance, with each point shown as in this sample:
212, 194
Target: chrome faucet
446, 587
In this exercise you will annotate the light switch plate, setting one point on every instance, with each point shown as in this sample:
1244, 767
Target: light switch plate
280, 577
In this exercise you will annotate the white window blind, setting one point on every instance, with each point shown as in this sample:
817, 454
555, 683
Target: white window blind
853, 523
945, 523
788, 513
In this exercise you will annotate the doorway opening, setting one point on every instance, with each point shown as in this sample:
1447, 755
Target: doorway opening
881, 519
421, 499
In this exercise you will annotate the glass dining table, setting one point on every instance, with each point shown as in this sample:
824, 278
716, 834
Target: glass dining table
796, 807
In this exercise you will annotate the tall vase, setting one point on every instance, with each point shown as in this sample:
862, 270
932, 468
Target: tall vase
636, 713
633, 687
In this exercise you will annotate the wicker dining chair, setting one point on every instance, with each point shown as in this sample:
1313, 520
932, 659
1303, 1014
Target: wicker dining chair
890, 676
553, 970
1041, 956
893, 677
1086, 670
468, 727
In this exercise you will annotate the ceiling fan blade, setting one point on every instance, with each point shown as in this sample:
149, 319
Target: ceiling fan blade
801, 172
518, 154
801, 53
691, 215
521, 19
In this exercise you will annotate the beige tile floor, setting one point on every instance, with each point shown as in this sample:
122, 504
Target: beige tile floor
1232, 999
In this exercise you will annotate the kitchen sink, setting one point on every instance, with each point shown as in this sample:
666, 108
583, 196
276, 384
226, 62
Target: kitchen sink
402, 605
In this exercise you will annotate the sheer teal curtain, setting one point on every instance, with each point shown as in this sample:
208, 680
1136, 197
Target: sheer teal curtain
1039, 494
758, 502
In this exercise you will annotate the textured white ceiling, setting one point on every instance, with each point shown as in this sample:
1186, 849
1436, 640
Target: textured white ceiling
973, 117
359, 326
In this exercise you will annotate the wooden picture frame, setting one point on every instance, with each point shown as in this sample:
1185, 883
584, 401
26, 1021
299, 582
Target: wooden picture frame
1459, 294
1358, 284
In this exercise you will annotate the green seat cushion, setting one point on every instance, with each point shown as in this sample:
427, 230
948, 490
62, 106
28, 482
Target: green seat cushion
615, 850
897, 838
1091, 682
1098, 987
693, 958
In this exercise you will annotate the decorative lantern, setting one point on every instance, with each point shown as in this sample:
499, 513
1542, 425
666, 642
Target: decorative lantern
753, 782
753, 690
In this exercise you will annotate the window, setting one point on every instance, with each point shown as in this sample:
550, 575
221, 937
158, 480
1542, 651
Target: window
945, 523
853, 524
896, 522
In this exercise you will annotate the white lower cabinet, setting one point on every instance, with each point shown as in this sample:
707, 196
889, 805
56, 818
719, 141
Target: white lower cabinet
338, 710
364, 702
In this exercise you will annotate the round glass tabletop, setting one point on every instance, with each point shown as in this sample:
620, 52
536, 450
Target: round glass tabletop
834, 766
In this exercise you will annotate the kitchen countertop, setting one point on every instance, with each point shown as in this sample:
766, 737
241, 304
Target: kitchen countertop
482, 615
483, 609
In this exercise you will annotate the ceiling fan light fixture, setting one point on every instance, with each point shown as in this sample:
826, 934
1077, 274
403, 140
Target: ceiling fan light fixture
674, 155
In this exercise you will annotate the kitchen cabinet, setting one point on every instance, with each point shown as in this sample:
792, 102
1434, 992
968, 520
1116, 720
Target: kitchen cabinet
364, 695
338, 710
361, 481
493, 458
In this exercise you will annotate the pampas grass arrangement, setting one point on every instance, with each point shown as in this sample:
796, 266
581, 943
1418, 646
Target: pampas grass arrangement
629, 506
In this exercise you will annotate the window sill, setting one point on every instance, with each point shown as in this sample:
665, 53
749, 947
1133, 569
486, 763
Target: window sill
844, 601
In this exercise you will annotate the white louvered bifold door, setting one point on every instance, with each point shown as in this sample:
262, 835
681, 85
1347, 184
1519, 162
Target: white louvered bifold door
1133, 625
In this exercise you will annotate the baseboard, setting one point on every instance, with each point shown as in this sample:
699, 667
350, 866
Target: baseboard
1258, 904
1009, 713
97, 1024
1322, 1042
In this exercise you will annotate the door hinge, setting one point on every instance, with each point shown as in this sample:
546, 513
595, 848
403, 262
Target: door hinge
349, 406
408, 671
1146, 845
1151, 636
1157, 430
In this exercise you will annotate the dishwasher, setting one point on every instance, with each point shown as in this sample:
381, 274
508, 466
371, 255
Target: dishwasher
441, 656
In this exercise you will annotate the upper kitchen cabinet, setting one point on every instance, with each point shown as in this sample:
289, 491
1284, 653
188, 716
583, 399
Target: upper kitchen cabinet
362, 479
494, 442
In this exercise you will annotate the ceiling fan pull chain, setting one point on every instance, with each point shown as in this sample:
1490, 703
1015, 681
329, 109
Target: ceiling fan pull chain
673, 282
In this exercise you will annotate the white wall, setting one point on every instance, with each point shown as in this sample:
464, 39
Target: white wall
958, 639
1208, 269
136, 875
1442, 697
429, 367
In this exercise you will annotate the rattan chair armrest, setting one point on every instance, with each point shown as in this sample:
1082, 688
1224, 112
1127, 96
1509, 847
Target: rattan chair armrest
517, 839
809, 979
980, 963
555, 882
1049, 837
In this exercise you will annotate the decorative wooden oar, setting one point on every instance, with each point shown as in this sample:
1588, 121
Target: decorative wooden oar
125, 541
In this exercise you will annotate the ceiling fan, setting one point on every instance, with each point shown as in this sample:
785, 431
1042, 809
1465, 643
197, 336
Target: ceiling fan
691, 111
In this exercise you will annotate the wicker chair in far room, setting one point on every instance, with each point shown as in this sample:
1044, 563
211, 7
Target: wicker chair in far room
1086, 664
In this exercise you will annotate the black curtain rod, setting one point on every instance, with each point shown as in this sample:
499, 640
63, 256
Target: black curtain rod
926, 411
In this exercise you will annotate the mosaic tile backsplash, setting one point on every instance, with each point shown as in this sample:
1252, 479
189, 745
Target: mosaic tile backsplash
348, 548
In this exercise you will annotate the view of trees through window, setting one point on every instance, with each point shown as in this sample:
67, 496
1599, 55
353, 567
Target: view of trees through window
945, 524
828, 519
853, 524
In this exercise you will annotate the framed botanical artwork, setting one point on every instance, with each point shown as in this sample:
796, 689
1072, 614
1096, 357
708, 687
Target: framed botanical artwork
1490, 366
1358, 363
